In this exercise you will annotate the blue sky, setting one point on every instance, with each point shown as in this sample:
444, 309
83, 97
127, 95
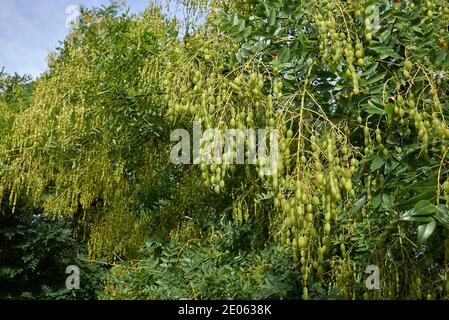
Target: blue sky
30, 29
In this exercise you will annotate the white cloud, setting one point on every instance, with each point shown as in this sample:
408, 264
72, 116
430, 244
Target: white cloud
74, 13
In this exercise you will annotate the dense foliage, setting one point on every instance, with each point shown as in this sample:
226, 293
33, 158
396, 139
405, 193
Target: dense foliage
358, 91
34, 254
220, 267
